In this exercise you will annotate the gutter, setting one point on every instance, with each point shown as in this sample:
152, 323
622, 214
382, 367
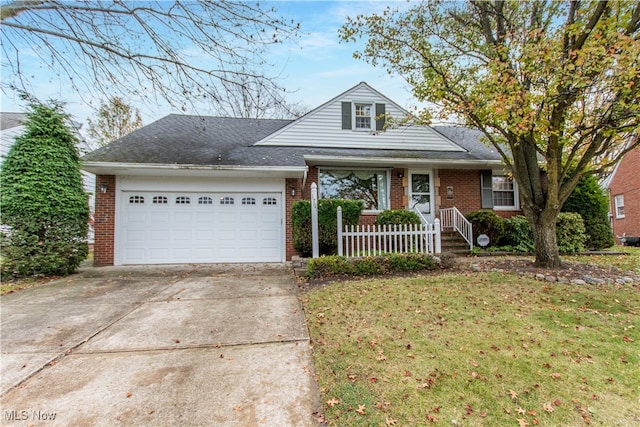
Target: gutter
118, 168
398, 161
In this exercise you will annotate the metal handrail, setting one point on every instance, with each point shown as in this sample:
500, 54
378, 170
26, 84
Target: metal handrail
453, 218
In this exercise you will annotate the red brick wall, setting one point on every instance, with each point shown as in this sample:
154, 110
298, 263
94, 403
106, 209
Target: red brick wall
626, 181
294, 185
104, 225
467, 196
466, 189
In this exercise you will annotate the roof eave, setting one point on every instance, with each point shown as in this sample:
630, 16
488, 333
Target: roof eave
400, 162
150, 169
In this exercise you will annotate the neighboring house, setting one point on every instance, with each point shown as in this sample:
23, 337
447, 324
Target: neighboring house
209, 189
11, 127
624, 195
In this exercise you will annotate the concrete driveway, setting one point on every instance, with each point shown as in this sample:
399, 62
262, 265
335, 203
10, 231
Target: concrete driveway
172, 345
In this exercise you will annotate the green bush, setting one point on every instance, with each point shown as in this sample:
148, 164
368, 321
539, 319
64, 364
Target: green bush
570, 232
487, 222
409, 262
591, 202
327, 266
43, 200
327, 223
397, 217
518, 235
332, 266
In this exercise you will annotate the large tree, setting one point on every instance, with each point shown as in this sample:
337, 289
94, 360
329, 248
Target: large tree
43, 200
181, 51
114, 119
553, 85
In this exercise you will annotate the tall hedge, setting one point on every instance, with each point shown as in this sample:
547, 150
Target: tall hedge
43, 201
327, 223
591, 202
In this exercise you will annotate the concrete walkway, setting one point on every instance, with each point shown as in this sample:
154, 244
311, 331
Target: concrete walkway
177, 345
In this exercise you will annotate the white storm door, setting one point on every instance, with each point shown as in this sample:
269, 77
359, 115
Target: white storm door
421, 193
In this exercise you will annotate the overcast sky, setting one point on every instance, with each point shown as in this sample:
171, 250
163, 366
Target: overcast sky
315, 69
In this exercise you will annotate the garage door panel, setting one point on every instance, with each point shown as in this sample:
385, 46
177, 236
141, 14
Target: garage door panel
170, 227
157, 215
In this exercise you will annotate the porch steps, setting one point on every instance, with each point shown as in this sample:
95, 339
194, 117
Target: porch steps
452, 241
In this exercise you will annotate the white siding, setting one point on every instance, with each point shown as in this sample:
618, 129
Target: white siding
322, 127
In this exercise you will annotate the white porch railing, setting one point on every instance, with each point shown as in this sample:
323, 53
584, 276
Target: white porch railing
368, 240
453, 218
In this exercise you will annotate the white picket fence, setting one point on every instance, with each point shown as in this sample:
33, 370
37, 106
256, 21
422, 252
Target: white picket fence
369, 240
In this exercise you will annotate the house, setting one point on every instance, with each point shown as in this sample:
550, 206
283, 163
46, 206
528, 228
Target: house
624, 196
214, 189
11, 126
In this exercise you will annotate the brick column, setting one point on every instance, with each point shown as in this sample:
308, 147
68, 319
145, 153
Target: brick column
292, 185
104, 221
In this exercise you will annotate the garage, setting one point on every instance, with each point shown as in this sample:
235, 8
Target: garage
161, 227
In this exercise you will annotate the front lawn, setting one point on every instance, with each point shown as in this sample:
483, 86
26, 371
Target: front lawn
629, 262
476, 349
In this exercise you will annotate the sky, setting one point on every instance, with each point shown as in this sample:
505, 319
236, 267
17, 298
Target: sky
314, 69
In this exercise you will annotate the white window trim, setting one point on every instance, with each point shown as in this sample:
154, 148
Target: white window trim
616, 199
516, 197
372, 116
388, 179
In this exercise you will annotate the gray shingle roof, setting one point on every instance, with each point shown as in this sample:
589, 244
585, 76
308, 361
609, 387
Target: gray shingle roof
471, 140
211, 141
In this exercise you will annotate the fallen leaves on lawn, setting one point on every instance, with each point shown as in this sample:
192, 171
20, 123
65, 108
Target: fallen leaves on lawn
333, 402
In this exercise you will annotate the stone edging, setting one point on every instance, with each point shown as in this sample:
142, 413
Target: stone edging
586, 280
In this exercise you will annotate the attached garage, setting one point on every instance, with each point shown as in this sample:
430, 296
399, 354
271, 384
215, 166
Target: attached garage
189, 225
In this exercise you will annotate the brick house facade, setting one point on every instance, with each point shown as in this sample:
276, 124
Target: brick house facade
624, 196
208, 189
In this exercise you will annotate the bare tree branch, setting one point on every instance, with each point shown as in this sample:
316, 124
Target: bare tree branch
181, 51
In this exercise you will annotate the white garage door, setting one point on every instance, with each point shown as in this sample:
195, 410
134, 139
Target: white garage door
183, 227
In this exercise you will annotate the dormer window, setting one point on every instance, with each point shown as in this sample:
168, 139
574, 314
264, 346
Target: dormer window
363, 116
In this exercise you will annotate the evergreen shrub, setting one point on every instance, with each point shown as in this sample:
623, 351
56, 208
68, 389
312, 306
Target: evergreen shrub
397, 217
44, 205
336, 266
327, 223
591, 202
487, 222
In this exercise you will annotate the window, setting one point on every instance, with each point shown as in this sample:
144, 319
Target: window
136, 200
370, 186
160, 200
367, 116
183, 200
504, 193
363, 116
226, 200
248, 201
619, 202
205, 200
271, 201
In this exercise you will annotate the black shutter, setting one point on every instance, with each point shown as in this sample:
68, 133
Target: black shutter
380, 110
486, 185
346, 115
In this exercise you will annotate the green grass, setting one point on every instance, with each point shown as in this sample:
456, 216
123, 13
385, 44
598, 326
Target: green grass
628, 262
476, 350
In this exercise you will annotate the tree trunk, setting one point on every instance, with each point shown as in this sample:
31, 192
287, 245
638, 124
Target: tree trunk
543, 225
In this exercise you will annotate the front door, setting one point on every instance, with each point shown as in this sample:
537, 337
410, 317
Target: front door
421, 193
